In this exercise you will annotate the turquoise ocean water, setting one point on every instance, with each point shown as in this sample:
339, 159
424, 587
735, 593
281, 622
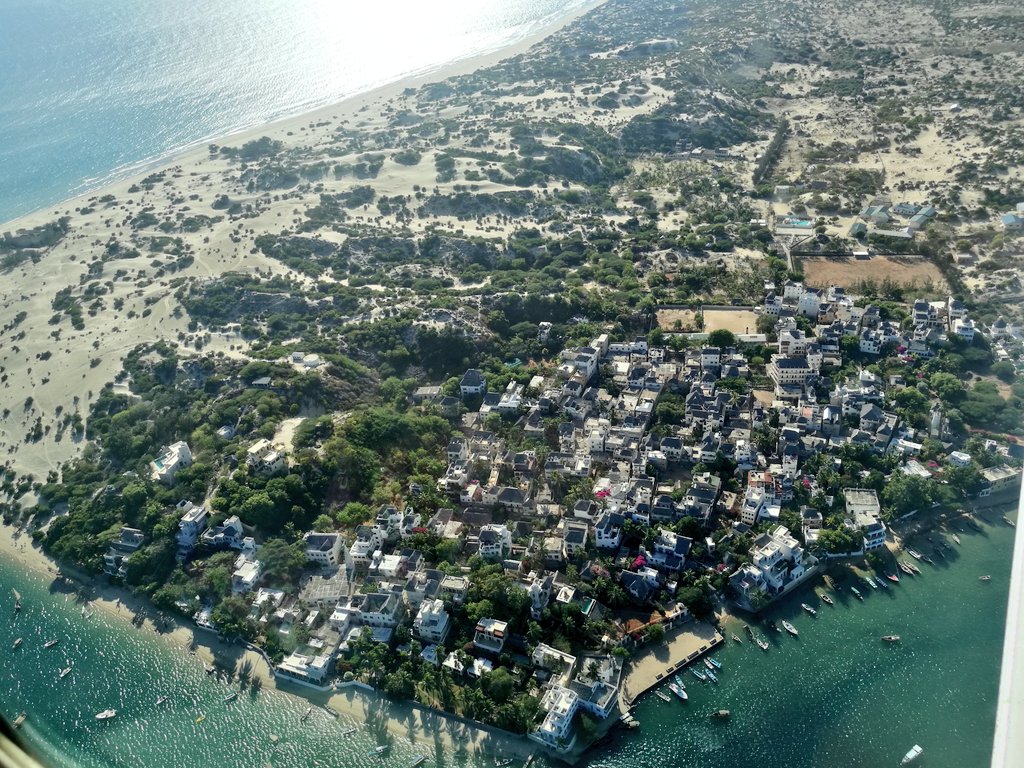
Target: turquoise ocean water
837, 696
91, 89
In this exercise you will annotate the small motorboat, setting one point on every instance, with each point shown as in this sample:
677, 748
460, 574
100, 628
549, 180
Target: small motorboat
378, 750
914, 554
699, 675
736, 638
879, 582
870, 582
714, 662
231, 697
331, 711
955, 538
721, 714
107, 714
893, 577
679, 681
762, 644
305, 715
790, 628
683, 696
1009, 522
64, 673
17, 643
663, 696
906, 568
927, 559
891, 638
712, 677
912, 755
349, 731
160, 700
828, 581
201, 718
856, 593
210, 669
826, 599
808, 608
50, 643
20, 719
985, 578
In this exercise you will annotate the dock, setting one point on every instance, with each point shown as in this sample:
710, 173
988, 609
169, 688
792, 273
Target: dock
685, 646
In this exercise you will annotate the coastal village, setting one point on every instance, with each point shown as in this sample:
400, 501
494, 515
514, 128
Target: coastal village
512, 396
692, 489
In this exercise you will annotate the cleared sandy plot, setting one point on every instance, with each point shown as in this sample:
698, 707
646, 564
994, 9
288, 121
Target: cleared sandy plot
677, 320
734, 320
851, 272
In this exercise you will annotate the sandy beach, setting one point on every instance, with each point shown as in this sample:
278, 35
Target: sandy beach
53, 370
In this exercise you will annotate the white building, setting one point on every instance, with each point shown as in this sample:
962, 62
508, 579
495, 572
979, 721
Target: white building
172, 458
324, 549
864, 512
495, 541
246, 574
556, 731
431, 622
491, 635
191, 524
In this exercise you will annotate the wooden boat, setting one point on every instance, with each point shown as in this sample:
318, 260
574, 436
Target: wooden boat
955, 538
927, 559
985, 578
881, 583
856, 593
790, 628
825, 598
721, 714
20, 719
1009, 522
828, 582
914, 554
762, 644
914, 569
891, 638
905, 568
331, 711
912, 755
893, 577
305, 715
201, 718
736, 638
808, 608
663, 696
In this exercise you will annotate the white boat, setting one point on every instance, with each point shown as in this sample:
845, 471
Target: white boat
984, 578
913, 554
20, 719
106, 714
912, 755
762, 644
305, 715
17, 643
349, 731
699, 675
663, 696
808, 608
790, 628
955, 538
683, 696
712, 677
713, 662
64, 673
50, 643
231, 697
826, 598
160, 700
378, 750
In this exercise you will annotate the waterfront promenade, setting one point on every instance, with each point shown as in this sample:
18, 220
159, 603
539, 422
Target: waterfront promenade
654, 664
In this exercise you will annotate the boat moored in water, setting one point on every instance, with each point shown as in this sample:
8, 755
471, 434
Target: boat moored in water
160, 700
699, 675
808, 608
891, 638
985, 578
790, 628
721, 714
50, 643
736, 638
826, 598
856, 593
761, 643
712, 677
231, 697
683, 696
17, 643
663, 696
955, 538
1009, 522
914, 554
64, 672
893, 577
20, 719
912, 755
107, 714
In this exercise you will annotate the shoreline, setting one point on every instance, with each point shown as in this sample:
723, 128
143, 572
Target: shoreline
347, 108
409, 721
